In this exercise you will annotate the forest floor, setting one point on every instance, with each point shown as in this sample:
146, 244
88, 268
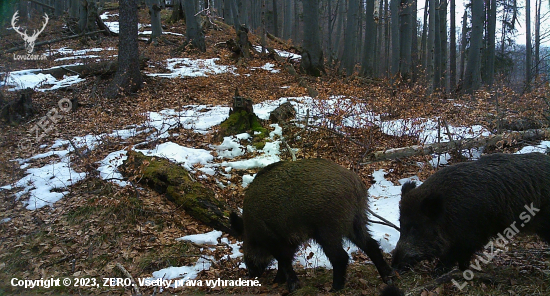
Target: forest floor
98, 224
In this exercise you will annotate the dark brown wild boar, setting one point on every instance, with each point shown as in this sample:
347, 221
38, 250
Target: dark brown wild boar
461, 207
289, 203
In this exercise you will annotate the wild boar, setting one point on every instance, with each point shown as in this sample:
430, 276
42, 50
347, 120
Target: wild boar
289, 203
461, 207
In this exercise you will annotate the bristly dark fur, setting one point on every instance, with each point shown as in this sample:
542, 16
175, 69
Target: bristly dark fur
290, 202
391, 290
457, 210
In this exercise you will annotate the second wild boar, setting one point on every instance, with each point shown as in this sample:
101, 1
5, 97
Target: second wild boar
289, 203
457, 210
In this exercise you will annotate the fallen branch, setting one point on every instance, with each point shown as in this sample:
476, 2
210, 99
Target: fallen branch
54, 40
384, 221
128, 275
443, 147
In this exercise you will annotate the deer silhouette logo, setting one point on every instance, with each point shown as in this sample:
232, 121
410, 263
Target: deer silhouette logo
29, 40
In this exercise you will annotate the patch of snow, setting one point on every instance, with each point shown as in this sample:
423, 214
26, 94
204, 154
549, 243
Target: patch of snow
186, 67
179, 154
209, 238
39, 183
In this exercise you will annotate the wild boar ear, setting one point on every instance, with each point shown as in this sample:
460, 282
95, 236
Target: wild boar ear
408, 186
432, 206
237, 224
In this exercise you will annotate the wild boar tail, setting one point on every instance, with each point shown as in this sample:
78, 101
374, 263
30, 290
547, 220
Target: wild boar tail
237, 225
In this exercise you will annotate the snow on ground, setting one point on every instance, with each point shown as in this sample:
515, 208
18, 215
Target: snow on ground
283, 54
47, 184
32, 78
186, 67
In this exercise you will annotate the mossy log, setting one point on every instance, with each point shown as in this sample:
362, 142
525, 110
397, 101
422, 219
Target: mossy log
178, 186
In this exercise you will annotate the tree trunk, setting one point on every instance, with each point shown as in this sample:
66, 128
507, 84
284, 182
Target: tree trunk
443, 47
275, 19
74, 8
424, 44
491, 34
405, 39
177, 11
156, 26
472, 77
528, 53
437, 49
128, 77
452, 53
537, 37
463, 46
226, 12
193, 34
312, 55
394, 7
430, 47
287, 25
414, 35
350, 38
367, 67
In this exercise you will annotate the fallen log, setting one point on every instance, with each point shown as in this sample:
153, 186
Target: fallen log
13, 49
179, 187
103, 68
443, 147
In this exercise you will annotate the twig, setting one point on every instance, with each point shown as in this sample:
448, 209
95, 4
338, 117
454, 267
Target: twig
341, 135
128, 275
289, 149
386, 222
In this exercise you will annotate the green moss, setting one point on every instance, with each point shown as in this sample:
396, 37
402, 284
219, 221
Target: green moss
177, 185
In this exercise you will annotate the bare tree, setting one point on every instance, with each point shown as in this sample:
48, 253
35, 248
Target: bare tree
156, 26
350, 43
367, 67
472, 75
193, 34
528, 52
312, 54
491, 6
452, 49
128, 77
394, 7
405, 36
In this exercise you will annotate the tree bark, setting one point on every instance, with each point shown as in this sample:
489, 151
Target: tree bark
128, 78
367, 67
491, 32
472, 77
452, 53
394, 7
443, 47
312, 55
350, 38
193, 34
405, 39
528, 53
463, 46
156, 26
430, 47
